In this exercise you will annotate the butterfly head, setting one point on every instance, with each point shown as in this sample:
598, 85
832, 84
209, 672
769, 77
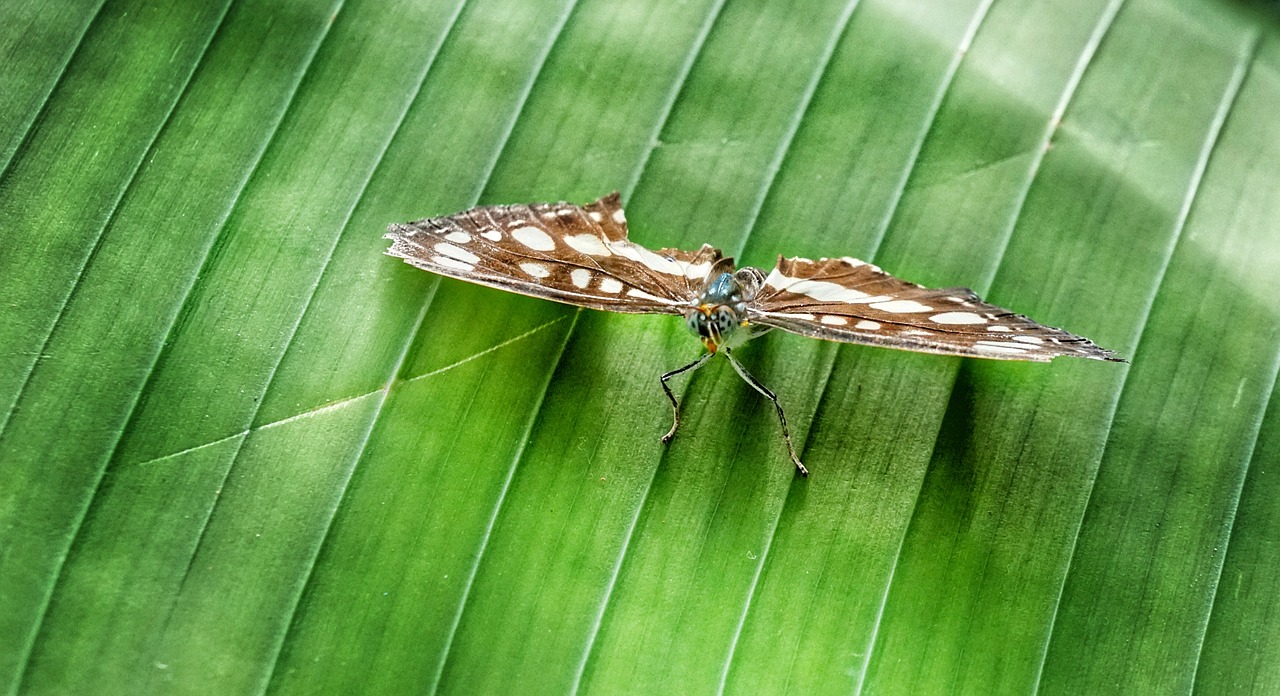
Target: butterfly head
720, 310
713, 324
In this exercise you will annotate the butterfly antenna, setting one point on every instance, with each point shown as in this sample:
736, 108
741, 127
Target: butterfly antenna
675, 406
782, 417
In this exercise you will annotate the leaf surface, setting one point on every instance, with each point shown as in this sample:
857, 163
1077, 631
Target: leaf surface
242, 451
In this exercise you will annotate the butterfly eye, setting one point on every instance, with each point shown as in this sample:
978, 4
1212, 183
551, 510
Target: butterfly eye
724, 319
694, 322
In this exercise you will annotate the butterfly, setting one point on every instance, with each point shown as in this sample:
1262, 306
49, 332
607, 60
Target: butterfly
580, 255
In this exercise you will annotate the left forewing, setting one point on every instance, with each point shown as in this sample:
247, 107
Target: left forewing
855, 302
575, 254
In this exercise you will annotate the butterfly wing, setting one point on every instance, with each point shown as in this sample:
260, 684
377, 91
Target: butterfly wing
855, 302
579, 255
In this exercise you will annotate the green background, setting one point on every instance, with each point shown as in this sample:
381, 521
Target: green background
244, 452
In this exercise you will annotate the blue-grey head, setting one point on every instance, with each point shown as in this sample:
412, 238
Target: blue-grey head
721, 308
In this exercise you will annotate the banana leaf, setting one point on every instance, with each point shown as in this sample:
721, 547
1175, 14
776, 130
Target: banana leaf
242, 451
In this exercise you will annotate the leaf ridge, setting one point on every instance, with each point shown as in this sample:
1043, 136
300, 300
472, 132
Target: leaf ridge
1217, 579
668, 107
37, 114
775, 166
918, 147
1086, 58
110, 218
487, 179
793, 127
1212, 137
438, 675
410, 335
34, 633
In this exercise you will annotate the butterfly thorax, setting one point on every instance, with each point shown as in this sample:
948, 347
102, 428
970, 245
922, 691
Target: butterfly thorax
721, 308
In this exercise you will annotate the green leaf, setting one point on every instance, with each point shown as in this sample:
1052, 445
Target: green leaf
242, 451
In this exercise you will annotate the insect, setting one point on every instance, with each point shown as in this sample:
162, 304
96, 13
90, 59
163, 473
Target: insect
580, 255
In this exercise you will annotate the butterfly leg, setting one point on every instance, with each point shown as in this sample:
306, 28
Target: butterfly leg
675, 406
782, 417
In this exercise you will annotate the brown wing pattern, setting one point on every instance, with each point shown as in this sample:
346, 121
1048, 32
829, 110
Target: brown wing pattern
855, 302
578, 255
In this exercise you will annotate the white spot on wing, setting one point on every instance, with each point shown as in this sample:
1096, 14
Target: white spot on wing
834, 321
697, 271
452, 263
1000, 329
618, 217
901, 307
867, 325
453, 252
646, 296
581, 277
819, 290
492, 235
610, 285
999, 347
458, 237
534, 238
1029, 339
595, 216
778, 281
958, 318
588, 244
537, 270
655, 262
